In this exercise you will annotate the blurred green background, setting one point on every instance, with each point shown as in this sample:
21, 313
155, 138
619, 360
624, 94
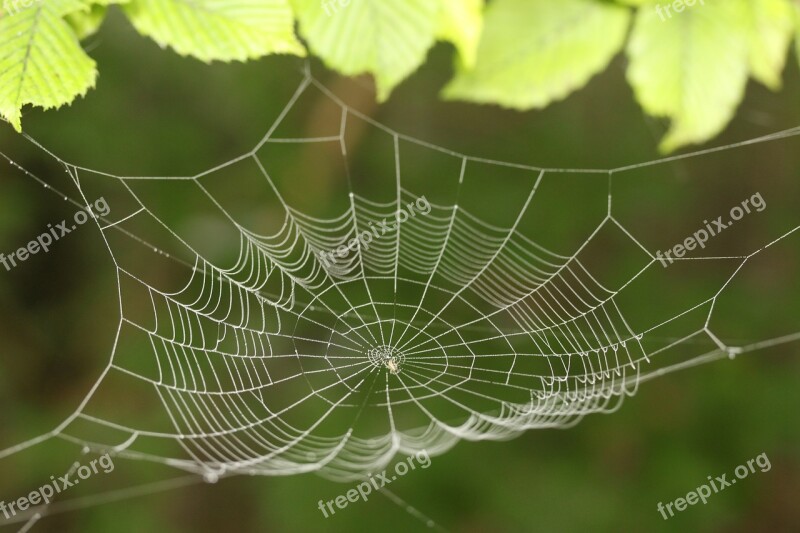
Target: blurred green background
154, 113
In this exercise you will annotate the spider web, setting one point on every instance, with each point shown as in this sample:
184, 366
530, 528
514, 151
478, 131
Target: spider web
255, 356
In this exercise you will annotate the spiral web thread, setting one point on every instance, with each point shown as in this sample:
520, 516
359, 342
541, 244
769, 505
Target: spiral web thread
238, 332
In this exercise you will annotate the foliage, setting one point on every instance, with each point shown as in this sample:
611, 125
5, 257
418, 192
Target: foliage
690, 66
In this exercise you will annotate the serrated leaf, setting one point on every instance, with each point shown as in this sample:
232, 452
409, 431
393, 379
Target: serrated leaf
461, 23
388, 39
690, 68
218, 30
534, 52
41, 61
770, 26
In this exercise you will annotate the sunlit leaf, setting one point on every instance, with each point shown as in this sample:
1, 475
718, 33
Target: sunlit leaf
461, 22
534, 52
85, 23
770, 26
221, 30
41, 61
388, 39
691, 68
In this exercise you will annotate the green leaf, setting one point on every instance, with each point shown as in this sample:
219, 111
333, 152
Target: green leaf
387, 38
86, 23
534, 52
797, 30
220, 30
41, 61
691, 68
461, 23
769, 34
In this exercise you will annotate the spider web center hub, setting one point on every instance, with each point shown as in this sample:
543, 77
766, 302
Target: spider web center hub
386, 356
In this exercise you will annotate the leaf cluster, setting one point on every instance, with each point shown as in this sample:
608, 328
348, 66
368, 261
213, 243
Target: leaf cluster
689, 65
